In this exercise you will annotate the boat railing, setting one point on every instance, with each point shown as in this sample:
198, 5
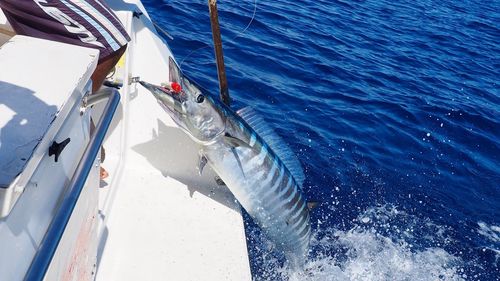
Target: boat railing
48, 247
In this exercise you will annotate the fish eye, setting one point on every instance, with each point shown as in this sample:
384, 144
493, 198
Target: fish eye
200, 98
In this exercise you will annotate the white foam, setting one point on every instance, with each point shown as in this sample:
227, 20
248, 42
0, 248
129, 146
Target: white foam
491, 232
368, 252
370, 256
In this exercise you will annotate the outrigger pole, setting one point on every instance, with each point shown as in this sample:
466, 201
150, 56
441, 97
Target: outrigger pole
219, 56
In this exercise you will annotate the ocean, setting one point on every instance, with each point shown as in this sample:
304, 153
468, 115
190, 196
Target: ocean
393, 108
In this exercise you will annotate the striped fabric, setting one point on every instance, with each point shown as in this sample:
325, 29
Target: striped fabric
87, 23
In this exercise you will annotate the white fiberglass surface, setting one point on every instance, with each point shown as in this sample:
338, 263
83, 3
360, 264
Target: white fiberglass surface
162, 220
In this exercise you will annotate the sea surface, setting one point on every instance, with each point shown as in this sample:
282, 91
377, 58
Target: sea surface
393, 108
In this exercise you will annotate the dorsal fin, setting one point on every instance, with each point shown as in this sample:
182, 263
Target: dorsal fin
274, 141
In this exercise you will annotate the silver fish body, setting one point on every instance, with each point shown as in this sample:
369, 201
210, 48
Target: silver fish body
259, 179
264, 187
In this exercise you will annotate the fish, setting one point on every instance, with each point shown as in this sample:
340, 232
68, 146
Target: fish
248, 156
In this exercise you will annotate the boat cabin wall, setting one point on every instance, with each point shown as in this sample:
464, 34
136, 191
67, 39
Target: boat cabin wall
42, 106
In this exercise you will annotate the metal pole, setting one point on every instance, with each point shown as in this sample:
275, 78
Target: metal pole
219, 56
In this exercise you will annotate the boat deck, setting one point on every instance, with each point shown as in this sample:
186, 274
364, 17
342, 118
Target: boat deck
162, 226
162, 220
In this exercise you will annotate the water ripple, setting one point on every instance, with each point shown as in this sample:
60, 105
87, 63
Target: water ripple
386, 102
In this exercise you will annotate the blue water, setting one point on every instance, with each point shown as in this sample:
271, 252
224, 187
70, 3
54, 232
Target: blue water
393, 108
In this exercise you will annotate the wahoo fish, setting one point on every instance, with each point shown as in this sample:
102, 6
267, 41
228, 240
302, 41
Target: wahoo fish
254, 163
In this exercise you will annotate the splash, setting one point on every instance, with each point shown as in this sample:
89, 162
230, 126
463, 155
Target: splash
376, 248
370, 256
492, 234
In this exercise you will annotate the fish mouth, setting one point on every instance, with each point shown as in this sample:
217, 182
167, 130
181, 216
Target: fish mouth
159, 90
169, 99
148, 86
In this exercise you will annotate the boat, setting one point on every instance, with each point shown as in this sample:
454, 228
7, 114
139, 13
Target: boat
153, 218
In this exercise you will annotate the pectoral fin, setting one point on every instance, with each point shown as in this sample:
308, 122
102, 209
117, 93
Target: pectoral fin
238, 160
235, 142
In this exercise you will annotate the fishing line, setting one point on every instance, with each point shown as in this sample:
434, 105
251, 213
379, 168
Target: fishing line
249, 23
238, 35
